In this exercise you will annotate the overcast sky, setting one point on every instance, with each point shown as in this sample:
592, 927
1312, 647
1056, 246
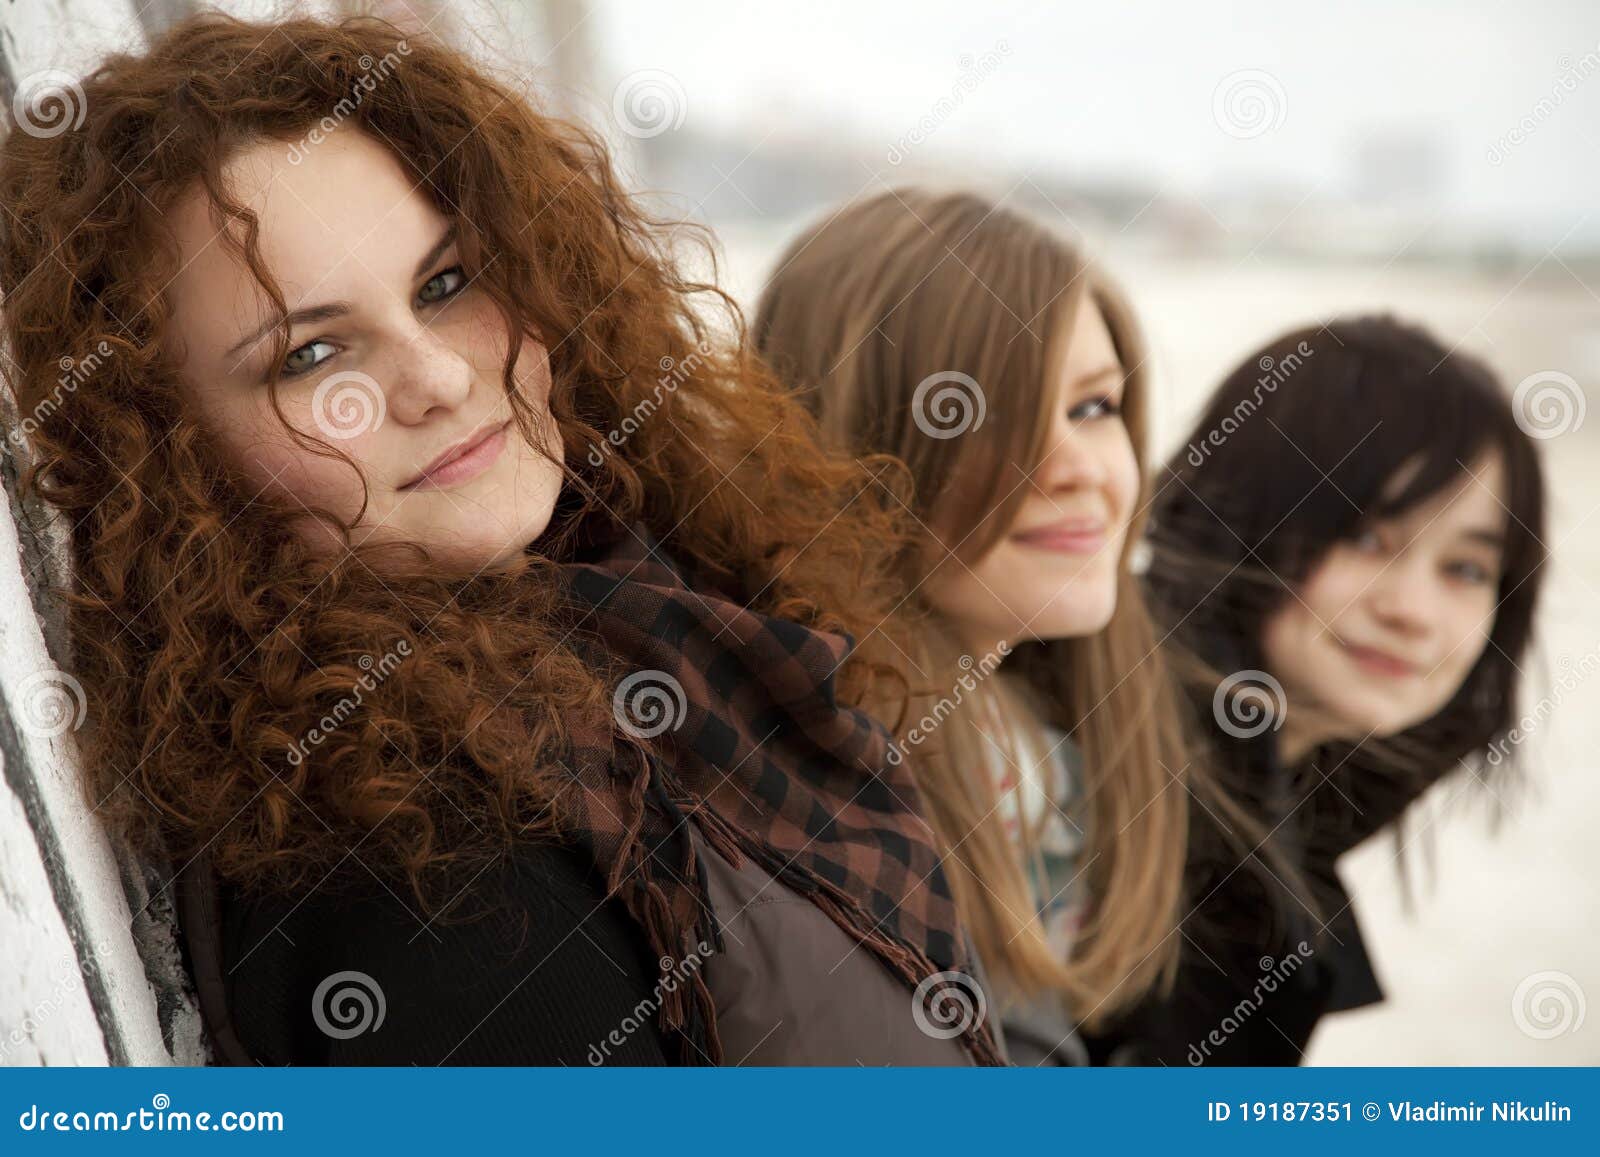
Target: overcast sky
1361, 92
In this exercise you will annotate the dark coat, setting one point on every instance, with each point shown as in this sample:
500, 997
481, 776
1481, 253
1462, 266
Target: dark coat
1257, 971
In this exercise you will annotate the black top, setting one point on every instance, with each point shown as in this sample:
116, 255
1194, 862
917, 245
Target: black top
554, 975
1256, 970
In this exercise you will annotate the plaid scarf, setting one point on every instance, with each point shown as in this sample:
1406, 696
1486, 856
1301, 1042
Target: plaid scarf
740, 733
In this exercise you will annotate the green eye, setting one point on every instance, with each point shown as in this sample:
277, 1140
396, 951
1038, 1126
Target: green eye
442, 286
300, 360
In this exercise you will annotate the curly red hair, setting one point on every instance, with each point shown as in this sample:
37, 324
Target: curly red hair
209, 637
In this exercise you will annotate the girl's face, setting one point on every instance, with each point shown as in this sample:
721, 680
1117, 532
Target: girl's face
1388, 626
1054, 574
396, 360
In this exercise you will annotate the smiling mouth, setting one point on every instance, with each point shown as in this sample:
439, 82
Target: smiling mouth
466, 463
1378, 662
1072, 537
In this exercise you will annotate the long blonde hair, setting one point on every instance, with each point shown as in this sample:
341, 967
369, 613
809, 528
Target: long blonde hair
863, 308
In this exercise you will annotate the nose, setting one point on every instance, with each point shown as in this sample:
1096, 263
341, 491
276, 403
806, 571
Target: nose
424, 373
1404, 597
1069, 460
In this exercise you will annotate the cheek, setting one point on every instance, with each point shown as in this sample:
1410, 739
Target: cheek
275, 464
1469, 626
533, 370
1334, 585
1280, 640
1122, 470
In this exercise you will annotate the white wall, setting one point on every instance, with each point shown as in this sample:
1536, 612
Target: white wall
89, 967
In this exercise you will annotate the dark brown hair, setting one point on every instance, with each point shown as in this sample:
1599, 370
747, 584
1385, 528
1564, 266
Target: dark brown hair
1294, 453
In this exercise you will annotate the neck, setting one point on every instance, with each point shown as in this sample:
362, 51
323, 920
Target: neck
1300, 736
980, 641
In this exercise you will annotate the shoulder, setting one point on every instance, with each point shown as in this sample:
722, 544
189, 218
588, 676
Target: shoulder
351, 971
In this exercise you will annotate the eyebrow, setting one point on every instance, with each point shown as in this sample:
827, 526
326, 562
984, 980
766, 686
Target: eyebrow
333, 309
1490, 538
1095, 375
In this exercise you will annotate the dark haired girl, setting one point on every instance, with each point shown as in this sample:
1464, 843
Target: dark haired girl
1349, 550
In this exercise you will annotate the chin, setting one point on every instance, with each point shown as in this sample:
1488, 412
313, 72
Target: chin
1074, 619
1366, 720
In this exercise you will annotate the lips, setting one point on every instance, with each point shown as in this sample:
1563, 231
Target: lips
1379, 662
1073, 535
461, 460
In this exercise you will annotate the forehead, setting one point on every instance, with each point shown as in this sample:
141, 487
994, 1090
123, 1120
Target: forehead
1476, 502
1082, 341
329, 222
